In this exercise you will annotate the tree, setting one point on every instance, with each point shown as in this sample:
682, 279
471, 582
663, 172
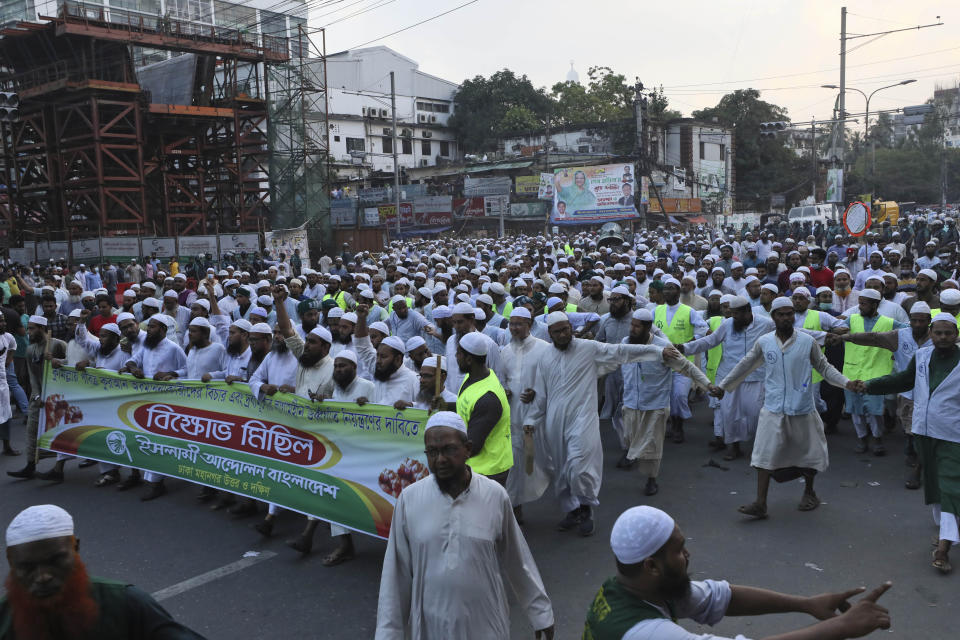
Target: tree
657, 107
763, 165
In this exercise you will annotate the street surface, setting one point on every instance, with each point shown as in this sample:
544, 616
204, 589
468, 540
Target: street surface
868, 529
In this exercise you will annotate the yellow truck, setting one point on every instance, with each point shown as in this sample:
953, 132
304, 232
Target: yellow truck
885, 211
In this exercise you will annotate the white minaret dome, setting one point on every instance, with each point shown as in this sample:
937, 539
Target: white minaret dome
572, 75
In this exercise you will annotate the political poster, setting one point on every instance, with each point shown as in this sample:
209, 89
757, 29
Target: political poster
335, 461
545, 191
343, 212
86, 249
526, 185
286, 240
388, 214
587, 195
161, 247
644, 190
120, 248
237, 243
528, 210
834, 185
192, 246
21, 255
497, 186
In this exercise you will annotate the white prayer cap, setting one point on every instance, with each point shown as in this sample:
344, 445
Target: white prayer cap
39, 522
877, 278
164, 319
875, 253
265, 301
180, 276
736, 265
943, 316
334, 277
394, 343
129, 293
76, 313
643, 315
720, 269
920, 307
771, 287
463, 309
726, 298
497, 288
796, 276
474, 343
200, 322
555, 317
258, 311
671, 280
414, 342
443, 311
930, 273
203, 303
446, 419
870, 294
750, 279
464, 297
425, 292
432, 362
148, 302
485, 299
715, 293
323, 333
556, 287
780, 303
621, 290
381, 327
347, 354
839, 271
552, 301
397, 298
262, 328
148, 285
126, 315
38, 320
349, 316
335, 312
243, 325
801, 291
170, 293
824, 289
738, 301
639, 533
366, 292
947, 296
518, 312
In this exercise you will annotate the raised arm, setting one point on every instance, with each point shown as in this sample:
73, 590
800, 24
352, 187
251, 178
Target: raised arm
753, 360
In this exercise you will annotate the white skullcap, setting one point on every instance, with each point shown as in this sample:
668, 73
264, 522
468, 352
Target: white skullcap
553, 301
149, 302
796, 276
347, 354
751, 278
715, 292
262, 328
75, 313
464, 297
446, 419
463, 309
877, 278
943, 316
111, 327
265, 300
824, 290
497, 288
126, 315
920, 307
736, 265
930, 273
875, 253
621, 290
555, 317
40, 320
443, 311
474, 343
671, 280
802, 291
335, 312
556, 287
397, 298
243, 325
518, 312
349, 316
414, 342
180, 276
781, 303
947, 296
170, 293
323, 333
425, 292
771, 287
129, 293
165, 320
639, 533
715, 269
39, 522
381, 327
394, 343
200, 322
148, 285
643, 315
726, 298
738, 301
432, 362
485, 299
479, 314
258, 311
870, 294
203, 303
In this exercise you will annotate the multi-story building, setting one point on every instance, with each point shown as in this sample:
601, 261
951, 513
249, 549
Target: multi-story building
360, 119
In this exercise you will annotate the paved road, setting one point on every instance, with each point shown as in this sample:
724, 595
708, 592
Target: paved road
869, 529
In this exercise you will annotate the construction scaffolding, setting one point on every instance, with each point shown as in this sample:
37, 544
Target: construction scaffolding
299, 137
178, 147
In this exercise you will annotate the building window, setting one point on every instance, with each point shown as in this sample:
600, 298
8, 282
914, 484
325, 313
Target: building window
336, 138
723, 152
583, 149
387, 145
444, 148
702, 148
425, 148
355, 144
406, 146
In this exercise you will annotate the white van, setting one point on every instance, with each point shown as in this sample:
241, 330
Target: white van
814, 213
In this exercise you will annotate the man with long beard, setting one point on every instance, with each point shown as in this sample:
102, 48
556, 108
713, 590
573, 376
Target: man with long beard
566, 385
464, 322
427, 395
314, 377
203, 354
237, 356
277, 370
652, 589
73, 301
51, 596
613, 327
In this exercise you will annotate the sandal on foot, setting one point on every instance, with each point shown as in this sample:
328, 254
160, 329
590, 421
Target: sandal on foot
941, 565
337, 556
754, 510
808, 502
733, 455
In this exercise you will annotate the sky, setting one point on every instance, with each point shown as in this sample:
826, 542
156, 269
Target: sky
698, 50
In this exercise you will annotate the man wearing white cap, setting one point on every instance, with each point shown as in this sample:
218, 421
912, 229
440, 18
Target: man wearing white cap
926, 291
427, 398
464, 322
613, 328
904, 343
454, 546
405, 322
314, 376
595, 300
872, 269
38, 349
203, 354
50, 594
652, 590
237, 356
934, 376
565, 390
790, 441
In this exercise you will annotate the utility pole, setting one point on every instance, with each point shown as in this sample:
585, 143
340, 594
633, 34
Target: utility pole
396, 165
843, 83
813, 157
546, 168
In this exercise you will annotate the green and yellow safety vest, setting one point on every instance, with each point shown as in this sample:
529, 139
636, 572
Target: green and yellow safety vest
496, 456
865, 363
714, 355
680, 329
812, 322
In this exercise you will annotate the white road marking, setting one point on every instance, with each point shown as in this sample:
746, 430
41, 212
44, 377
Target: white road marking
210, 576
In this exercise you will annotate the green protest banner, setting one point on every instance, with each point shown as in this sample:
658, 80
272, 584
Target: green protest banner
336, 461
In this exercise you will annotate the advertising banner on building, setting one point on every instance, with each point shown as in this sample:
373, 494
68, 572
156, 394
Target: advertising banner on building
120, 248
388, 214
713, 177
834, 185
192, 246
236, 243
336, 461
433, 211
161, 247
343, 212
286, 240
527, 185
644, 190
545, 191
498, 186
58, 250
593, 194
371, 217
528, 210
468, 208
677, 205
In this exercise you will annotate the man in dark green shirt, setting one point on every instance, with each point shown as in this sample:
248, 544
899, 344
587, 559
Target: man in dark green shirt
934, 376
50, 596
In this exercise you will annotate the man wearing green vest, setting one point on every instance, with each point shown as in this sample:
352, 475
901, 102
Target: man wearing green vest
483, 405
680, 324
652, 590
863, 363
714, 316
343, 299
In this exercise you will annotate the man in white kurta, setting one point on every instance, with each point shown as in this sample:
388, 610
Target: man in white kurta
205, 355
790, 441
454, 547
566, 394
